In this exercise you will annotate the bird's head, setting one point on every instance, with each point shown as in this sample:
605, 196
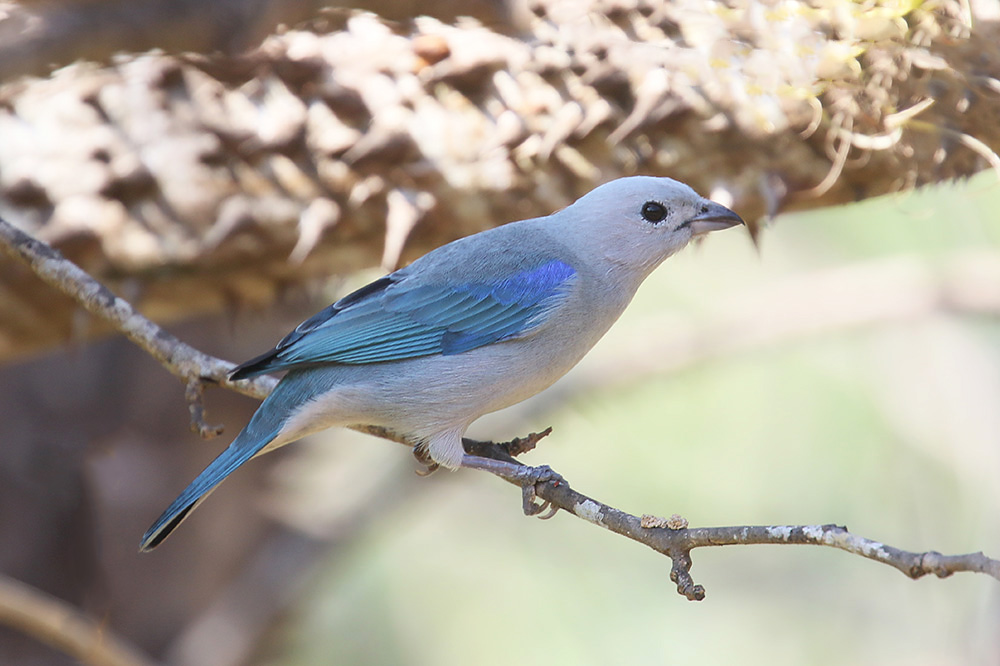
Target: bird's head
641, 220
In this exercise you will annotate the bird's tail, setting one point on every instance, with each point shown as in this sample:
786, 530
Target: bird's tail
246, 445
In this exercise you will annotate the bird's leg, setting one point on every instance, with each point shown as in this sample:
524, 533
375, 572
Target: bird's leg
522, 475
512, 470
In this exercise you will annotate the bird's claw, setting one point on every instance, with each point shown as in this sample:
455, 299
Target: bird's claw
529, 478
526, 477
424, 458
553, 510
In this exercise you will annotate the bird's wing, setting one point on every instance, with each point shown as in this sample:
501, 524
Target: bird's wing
399, 317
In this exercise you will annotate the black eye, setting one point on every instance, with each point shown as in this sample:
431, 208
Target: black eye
653, 211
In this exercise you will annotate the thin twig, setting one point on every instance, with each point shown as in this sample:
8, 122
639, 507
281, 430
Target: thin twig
677, 544
967, 140
56, 623
839, 158
181, 360
194, 392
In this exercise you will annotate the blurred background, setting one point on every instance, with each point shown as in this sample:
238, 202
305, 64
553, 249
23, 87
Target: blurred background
846, 371
875, 407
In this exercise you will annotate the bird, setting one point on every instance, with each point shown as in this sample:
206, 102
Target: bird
471, 327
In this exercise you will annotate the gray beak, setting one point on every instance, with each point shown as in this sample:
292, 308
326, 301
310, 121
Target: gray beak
712, 217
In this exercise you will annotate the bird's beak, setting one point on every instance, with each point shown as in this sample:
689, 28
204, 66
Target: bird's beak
713, 218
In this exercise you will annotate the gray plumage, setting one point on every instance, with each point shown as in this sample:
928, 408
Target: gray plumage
472, 327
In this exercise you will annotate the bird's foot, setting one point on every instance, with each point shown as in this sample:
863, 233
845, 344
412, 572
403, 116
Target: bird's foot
526, 477
529, 478
424, 458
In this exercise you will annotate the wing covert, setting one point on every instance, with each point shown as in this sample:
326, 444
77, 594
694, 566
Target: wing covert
392, 319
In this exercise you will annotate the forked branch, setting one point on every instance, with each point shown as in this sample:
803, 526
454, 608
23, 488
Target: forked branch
673, 538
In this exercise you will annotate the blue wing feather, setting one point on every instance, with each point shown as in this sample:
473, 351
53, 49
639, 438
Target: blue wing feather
390, 320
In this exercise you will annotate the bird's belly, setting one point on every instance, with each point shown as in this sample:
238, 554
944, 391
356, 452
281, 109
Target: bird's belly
424, 396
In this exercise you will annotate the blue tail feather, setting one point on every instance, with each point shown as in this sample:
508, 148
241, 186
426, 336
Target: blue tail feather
296, 389
243, 448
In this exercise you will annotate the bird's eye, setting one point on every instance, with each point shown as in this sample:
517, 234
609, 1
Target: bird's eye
653, 211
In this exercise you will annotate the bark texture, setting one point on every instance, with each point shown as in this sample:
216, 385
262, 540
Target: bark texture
191, 182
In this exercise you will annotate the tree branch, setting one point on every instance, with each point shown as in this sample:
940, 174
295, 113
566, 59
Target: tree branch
181, 360
190, 365
58, 624
663, 535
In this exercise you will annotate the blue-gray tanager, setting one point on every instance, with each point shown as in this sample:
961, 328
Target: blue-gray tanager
474, 326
